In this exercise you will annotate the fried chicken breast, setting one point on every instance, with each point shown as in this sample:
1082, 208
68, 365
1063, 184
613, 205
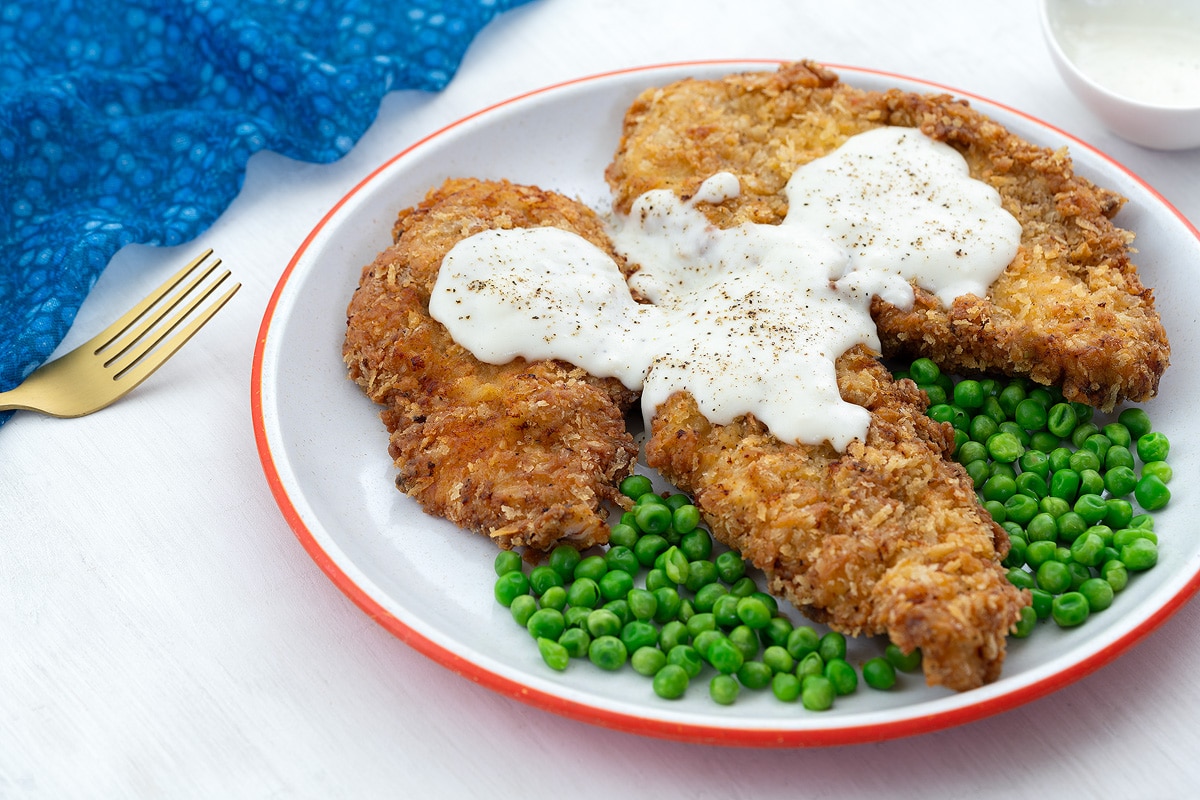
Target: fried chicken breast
1070, 310
885, 538
525, 452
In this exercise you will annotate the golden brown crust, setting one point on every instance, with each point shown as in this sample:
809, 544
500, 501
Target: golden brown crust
1070, 310
525, 452
886, 538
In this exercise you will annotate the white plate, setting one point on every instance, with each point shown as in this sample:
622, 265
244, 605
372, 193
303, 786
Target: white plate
324, 449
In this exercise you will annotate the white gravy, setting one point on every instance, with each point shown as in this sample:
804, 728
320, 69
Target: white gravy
748, 319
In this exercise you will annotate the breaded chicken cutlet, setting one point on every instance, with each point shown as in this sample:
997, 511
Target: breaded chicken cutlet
524, 452
1070, 310
885, 538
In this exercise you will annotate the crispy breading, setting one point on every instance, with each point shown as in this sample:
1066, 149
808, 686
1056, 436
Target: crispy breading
885, 538
1070, 310
526, 452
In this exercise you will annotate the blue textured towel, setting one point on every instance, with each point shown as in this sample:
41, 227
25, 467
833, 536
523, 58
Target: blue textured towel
132, 120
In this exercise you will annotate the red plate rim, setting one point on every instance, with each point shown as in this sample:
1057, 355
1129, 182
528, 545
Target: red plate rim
692, 733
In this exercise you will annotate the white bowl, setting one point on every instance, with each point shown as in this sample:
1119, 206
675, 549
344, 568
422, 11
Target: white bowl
1134, 63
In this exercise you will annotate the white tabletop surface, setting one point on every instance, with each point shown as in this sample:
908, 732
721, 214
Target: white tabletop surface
164, 634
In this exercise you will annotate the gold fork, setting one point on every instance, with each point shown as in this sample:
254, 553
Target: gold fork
125, 353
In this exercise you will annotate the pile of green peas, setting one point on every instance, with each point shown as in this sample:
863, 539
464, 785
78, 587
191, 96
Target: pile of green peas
1076, 496
661, 599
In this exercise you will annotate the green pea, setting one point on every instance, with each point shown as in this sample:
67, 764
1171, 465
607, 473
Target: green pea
657, 579
634, 486
1099, 444
667, 603
1030, 414
879, 674
842, 676
696, 544
575, 641
603, 622
1118, 457
708, 596
1054, 506
671, 682
1087, 550
1065, 484
553, 653
942, 412
1070, 525
522, 608
653, 518
982, 428
802, 641
785, 686
811, 664
746, 640
1017, 432
1040, 603
971, 451
1119, 514
979, 472
564, 558
615, 584
1032, 485
700, 574
1020, 578
934, 393
755, 675
1091, 482
1061, 420
510, 586
507, 561
700, 622
685, 519
743, 587
1084, 412
1140, 554
817, 694
1153, 446
1084, 459
1159, 469
1037, 553
1041, 528
647, 660
730, 567
1060, 458
725, 657
1115, 574
705, 641
592, 568
673, 634
675, 565
554, 597
1025, 625
1020, 508
777, 632
724, 609
1053, 577
902, 661
642, 603
1010, 397
1118, 434
1136, 420
832, 645
1043, 441
1016, 551
968, 394
753, 612
1151, 493
778, 659
923, 371
687, 657
999, 488
1082, 432
1070, 610
1120, 481
723, 689
1091, 507
648, 548
1098, 593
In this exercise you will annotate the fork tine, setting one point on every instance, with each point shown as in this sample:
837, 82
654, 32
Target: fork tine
150, 359
126, 322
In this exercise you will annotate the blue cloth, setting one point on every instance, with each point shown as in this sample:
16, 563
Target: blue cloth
132, 121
